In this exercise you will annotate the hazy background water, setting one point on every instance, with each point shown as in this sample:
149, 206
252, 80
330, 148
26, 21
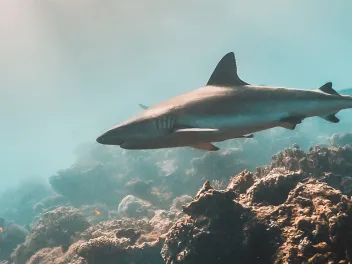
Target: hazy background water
71, 69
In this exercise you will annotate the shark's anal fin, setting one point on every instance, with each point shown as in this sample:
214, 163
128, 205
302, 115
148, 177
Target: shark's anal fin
225, 73
143, 106
331, 118
205, 146
327, 88
290, 122
290, 126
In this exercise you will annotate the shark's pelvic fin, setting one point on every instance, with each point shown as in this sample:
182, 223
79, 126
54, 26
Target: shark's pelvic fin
248, 136
331, 118
143, 106
327, 88
205, 146
225, 73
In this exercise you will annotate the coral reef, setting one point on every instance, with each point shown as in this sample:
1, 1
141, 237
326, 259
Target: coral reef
308, 221
54, 228
57, 255
330, 164
49, 203
131, 206
121, 241
10, 237
341, 139
214, 221
82, 186
16, 204
296, 209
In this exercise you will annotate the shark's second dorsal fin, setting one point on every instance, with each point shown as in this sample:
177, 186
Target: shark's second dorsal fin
327, 88
225, 73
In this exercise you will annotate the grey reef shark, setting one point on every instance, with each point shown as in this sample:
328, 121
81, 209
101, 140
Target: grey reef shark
225, 108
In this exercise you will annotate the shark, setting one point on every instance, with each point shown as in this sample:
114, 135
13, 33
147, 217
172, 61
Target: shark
225, 108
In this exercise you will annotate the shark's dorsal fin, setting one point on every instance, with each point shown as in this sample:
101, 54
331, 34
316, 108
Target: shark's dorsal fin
327, 88
225, 73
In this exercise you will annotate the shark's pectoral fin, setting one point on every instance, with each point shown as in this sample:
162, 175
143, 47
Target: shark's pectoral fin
205, 146
143, 106
290, 122
331, 118
327, 88
196, 130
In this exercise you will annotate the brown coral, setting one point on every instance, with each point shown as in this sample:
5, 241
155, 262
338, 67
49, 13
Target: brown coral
57, 256
55, 228
284, 217
314, 223
215, 231
122, 241
114, 251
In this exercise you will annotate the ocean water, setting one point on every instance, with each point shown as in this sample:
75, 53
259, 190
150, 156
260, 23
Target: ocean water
70, 70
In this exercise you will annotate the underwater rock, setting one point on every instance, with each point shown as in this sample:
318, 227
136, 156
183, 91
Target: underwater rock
314, 224
179, 202
163, 220
241, 182
281, 217
95, 213
50, 203
131, 206
84, 186
291, 211
341, 139
274, 188
313, 218
54, 228
122, 241
346, 185
58, 256
110, 228
213, 231
16, 204
327, 164
139, 188
11, 236
219, 165
120, 251
144, 191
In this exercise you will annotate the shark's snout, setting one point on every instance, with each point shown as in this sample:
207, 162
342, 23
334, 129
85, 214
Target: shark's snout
110, 138
130, 131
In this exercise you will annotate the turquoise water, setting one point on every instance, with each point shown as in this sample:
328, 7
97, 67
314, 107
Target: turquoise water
72, 69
